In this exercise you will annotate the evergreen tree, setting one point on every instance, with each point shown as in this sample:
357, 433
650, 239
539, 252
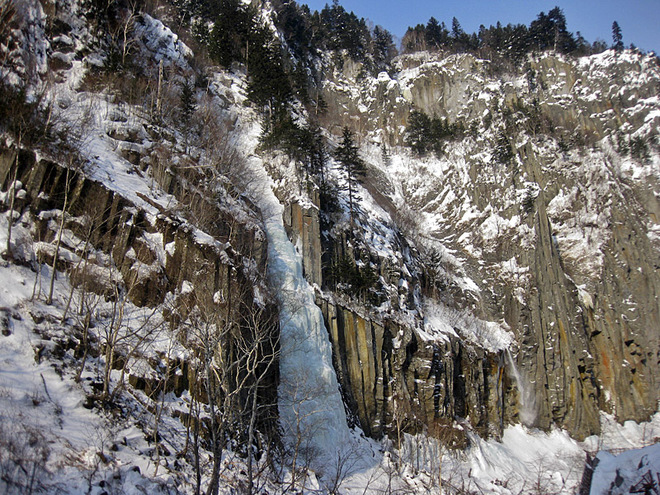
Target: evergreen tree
294, 21
437, 35
424, 134
617, 37
502, 151
318, 154
355, 169
581, 45
418, 132
341, 30
459, 39
383, 47
563, 40
188, 101
269, 83
229, 37
548, 32
456, 29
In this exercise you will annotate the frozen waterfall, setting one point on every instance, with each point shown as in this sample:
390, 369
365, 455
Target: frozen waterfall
527, 398
310, 406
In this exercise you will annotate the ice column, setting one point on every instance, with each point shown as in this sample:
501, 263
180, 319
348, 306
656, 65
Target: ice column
310, 405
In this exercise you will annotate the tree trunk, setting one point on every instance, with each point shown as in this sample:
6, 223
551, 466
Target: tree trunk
49, 299
10, 217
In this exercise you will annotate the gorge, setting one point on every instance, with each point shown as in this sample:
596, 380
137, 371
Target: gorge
232, 300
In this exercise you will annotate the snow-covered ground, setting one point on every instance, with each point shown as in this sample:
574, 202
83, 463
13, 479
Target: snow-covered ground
52, 440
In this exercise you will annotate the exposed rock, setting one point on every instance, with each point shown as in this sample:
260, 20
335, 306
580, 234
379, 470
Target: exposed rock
572, 270
155, 255
394, 381
304, 228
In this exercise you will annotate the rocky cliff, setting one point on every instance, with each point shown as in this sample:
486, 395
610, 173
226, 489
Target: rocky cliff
162, 261
506, 273
559, 237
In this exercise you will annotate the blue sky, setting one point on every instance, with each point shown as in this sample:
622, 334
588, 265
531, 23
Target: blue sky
639, 19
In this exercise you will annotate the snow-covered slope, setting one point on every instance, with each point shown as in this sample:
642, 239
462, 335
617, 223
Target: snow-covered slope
510, 278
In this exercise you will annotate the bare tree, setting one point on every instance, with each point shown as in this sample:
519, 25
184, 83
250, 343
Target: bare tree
237, 356
12, 201
128, 330
58, 239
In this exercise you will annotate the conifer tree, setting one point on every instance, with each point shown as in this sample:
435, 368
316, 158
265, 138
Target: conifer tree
348, 157
617, 37
418, 131
188, 102
460, 40
383, 47
437, 35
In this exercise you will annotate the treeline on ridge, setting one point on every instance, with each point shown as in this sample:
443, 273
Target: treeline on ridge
514, 41
282, 67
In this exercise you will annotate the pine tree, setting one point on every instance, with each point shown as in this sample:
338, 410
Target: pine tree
563, 39
456, 29
437, 35
188, 102
228, 38
383, 47
459, 39
348, 157
418, 132
617, 37
502, 151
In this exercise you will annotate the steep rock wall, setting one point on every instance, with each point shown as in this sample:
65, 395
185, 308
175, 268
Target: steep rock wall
561, 239
156, 253
303, 225
394, 381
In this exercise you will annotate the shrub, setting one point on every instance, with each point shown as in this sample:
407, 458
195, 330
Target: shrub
639, 149
356, 280
502, 151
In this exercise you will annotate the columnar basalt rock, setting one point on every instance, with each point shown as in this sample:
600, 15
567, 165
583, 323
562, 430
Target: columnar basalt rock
571, 216
211, 270
394, 382
304, 230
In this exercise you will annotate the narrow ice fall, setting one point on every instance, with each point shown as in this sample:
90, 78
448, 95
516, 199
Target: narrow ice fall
310, 404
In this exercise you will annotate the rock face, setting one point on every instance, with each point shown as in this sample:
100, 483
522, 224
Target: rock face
123, 229
155, 252
304, 229
559, 233
537, 219
393, 381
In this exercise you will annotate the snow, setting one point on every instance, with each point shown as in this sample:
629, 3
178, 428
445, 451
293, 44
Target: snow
628, 472
44, 423
40, 400
440, 322
494, 226
161, 42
